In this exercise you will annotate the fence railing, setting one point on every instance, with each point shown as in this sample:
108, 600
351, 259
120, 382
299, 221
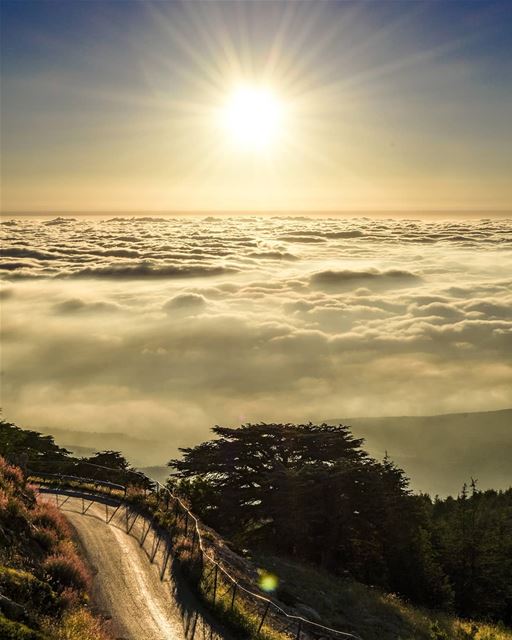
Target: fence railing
235, 601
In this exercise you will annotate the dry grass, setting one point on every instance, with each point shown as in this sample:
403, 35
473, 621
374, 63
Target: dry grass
239, 615
478, 631
77, 625
369, 613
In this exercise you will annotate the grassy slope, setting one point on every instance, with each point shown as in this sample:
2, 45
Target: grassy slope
337, 602
368, 612
42, 579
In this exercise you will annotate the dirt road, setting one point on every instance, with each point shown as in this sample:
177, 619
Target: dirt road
127, 586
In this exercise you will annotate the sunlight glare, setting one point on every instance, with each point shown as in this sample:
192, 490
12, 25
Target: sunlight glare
252, 117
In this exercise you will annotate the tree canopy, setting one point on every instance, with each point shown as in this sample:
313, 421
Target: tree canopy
311, 492
23, 446
37, 452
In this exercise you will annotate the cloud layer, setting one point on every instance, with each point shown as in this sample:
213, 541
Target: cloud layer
165, 326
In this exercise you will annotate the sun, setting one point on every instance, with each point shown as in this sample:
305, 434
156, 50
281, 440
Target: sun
252, 118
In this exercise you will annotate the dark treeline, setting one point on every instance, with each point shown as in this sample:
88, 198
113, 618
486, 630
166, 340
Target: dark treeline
35, 452
312, 493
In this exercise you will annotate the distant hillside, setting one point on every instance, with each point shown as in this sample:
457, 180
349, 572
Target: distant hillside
440, 452
140, 451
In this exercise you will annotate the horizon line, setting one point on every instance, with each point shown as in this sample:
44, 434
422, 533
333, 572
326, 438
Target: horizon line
178, 212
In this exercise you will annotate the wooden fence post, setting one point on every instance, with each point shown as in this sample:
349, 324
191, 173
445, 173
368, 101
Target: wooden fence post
215, 582
233, 596
264, 616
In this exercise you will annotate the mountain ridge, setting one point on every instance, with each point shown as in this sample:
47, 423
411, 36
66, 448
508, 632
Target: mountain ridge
441, 452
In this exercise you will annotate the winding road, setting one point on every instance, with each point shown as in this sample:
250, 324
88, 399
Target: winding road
127, 587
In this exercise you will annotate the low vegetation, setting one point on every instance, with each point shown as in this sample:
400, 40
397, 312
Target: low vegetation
43, 581
373, 613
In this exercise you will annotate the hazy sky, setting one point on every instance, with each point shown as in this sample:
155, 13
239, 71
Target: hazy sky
383, 105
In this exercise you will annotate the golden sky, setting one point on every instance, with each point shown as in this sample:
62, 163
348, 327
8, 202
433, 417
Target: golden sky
381, 106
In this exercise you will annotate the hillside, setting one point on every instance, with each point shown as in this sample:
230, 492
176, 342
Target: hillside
369, 612
340, 535
43, 582
141, 451
439, 453
311, 494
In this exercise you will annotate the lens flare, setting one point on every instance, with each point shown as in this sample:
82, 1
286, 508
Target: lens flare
267, 581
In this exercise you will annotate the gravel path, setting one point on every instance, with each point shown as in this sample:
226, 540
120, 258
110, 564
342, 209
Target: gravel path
127, 587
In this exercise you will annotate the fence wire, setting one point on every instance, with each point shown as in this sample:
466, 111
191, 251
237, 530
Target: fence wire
170, 518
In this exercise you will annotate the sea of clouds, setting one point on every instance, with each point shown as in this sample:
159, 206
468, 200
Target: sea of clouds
163, 327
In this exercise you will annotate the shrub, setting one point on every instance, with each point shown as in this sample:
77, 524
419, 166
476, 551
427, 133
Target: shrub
67, 570
15, 510
10, 630
47, 539
48, 516
26, 589
135, 494
71, 599
437, 633
4, 500
11, 473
